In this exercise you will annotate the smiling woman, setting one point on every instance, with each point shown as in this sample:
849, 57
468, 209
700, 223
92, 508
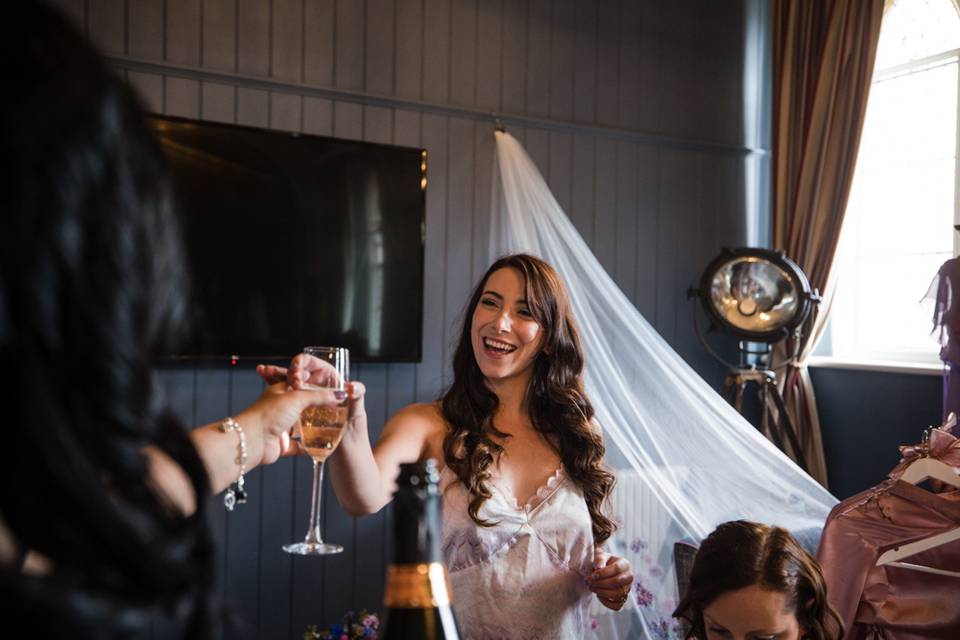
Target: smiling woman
523, 477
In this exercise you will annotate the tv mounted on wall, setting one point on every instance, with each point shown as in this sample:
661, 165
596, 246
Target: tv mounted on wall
296, 240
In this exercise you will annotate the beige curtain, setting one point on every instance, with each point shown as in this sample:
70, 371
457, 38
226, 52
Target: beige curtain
823, 54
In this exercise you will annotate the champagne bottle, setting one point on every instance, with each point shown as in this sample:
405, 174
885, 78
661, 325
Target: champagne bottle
417, 596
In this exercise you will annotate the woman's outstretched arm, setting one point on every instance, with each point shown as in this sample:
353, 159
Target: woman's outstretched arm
363, 475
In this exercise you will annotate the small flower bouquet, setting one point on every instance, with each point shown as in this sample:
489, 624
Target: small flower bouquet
354, 626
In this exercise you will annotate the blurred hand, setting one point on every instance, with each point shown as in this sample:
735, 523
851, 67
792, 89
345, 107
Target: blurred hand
307, 371
611, 580
277, 412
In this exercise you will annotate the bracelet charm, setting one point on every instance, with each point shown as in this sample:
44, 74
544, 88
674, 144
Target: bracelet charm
236, 494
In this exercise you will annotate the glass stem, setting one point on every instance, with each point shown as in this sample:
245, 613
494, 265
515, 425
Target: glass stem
313, 534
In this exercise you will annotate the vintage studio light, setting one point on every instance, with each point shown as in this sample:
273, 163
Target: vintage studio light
760, 297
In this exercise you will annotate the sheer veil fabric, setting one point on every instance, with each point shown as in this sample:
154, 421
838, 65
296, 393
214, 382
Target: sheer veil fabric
685, 460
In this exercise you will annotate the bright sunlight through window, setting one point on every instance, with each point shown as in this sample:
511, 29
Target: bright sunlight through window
898, 228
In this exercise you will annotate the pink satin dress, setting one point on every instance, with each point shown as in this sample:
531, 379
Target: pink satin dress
524, 577
890, 602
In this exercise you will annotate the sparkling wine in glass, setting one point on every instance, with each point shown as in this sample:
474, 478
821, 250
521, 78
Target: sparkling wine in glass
321, 428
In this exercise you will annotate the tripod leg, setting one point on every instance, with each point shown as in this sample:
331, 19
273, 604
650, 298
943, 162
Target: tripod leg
786, 425
773, 434
738, 398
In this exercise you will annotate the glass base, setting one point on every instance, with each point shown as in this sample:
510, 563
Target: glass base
312, 548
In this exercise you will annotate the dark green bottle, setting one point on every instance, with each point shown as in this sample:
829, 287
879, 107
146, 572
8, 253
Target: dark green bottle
417, 595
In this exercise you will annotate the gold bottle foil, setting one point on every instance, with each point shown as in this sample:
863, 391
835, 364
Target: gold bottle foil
417, 586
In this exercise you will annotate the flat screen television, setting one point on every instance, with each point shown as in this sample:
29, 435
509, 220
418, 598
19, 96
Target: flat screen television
296, 240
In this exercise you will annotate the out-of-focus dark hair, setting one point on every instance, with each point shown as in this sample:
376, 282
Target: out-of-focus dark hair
741, 554
91, 289
555, 399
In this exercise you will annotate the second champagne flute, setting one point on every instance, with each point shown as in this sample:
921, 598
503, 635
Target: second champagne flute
321, 428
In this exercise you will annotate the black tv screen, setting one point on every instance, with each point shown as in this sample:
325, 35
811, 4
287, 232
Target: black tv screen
296, 240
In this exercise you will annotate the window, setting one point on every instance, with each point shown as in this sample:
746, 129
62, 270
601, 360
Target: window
898, 227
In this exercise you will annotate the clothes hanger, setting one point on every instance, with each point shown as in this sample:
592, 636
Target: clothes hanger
929, 468
925, 468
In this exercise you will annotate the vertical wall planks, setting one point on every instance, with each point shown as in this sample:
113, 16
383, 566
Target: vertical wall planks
560, 169
285, 111
647, 74
218, 102
253, 37
436, 51
463, 52
317, 116
562, 59
489, 53
538, 57
149, 87
181, 97
253, 107
145, 37
409, 57
513, 66
649, 259
608, 63
626, 246
349, 38
286, 40
629, 65
219, 49
582, 205
319, 42
183, 31
687, 260
484, 150
585, 63
379, 56
605, 204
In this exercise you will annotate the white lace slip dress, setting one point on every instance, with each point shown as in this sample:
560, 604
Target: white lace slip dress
524, 577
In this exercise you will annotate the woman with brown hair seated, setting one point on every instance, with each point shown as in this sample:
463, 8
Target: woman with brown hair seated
754, 581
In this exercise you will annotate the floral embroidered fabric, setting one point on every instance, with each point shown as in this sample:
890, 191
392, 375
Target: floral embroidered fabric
524, 577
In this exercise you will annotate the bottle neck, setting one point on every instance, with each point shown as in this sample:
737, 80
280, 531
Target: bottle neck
416, 526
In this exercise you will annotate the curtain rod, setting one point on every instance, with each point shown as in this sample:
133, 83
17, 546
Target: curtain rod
346, 95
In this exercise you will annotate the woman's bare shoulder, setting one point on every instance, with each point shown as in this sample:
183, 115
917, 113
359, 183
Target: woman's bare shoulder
421, 415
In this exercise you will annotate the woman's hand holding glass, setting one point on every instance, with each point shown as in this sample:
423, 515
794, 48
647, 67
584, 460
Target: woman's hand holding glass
307, 371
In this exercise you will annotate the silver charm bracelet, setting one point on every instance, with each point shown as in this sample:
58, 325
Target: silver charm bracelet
236, 494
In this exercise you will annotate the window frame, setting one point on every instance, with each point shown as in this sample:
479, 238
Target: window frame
904, 360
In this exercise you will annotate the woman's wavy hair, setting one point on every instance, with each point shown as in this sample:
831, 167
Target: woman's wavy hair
91, 290
741, 554
555, 399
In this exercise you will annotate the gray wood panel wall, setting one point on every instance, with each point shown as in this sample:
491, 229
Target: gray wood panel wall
654, 207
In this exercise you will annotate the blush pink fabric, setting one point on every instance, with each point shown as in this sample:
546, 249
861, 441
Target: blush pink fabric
888, 602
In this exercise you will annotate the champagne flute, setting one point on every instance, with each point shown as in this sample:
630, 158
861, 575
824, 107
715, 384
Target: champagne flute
320, 430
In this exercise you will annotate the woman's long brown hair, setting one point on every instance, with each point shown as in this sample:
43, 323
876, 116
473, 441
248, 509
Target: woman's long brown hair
555, 400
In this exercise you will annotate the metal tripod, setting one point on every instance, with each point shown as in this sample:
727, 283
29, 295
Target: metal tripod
775, 422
